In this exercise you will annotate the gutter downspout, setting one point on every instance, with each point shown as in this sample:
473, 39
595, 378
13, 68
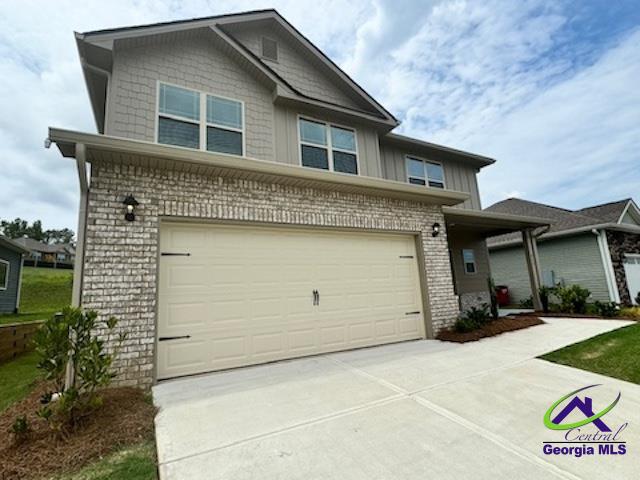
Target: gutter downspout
78, 267
609, 272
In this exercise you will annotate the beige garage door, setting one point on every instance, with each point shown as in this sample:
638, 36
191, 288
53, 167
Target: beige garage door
232, 296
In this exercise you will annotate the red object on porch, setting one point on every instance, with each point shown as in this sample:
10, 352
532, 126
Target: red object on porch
502, 295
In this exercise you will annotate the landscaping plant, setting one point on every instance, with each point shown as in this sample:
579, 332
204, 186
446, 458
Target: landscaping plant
573, 299
70, 338
607, 309
473, 319
545, 292
494, 298
526, 303
637, 299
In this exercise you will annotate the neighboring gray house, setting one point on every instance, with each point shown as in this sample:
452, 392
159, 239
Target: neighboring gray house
596, 247
45, 254
11, 257
248, 202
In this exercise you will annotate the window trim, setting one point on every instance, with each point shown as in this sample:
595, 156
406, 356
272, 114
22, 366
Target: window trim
464, 262
202, 123
424, 161
329, 147
6, 276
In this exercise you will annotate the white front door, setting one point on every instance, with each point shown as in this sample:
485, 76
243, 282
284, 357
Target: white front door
632, 271
239, 295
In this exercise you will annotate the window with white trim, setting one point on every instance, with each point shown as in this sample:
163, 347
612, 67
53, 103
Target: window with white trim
469, 261
424, 172
4, 274
328, 147
191, 119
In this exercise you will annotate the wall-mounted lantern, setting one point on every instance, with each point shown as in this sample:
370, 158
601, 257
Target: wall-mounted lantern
130, 203
435, 229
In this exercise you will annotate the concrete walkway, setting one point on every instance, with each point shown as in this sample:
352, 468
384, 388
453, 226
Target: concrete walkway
415, 410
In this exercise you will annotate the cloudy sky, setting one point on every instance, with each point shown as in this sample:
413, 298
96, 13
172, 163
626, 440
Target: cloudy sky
548, 88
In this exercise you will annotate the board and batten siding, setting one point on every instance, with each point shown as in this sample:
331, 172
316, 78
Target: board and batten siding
457, 176
288, 146
574, 260
8, 297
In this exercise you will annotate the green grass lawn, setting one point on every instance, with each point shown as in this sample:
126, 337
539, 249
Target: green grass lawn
133, 463
17, 378
44, 292
614, 354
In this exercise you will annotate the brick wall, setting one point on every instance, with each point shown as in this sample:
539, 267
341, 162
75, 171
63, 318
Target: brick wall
121, 257
619, 244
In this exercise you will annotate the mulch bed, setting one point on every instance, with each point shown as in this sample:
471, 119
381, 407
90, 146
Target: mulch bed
495, 327
125, 418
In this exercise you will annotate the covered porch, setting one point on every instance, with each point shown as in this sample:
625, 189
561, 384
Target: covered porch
467, 231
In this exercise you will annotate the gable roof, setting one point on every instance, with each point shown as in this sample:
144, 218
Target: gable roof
562, 221
31, 245
12, 244
95, 49
607, 212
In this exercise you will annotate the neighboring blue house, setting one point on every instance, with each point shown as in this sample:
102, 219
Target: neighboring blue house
10, 274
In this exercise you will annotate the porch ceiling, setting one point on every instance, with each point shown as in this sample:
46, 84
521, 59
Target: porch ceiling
488, 224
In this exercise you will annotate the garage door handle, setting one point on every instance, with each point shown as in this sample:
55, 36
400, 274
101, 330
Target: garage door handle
172, 254
162, 339
412, 313
316, 297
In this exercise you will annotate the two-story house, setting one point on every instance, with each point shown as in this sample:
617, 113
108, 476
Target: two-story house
247, 201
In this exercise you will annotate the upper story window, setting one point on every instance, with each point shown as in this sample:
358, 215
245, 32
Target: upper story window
328, 147
4, 274
192, 119
423, 172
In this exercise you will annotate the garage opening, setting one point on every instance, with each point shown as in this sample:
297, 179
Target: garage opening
232, 296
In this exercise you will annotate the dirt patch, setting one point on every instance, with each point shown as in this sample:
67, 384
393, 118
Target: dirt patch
495, 327
125, 418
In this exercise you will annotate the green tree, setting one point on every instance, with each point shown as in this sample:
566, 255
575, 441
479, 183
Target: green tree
64, 235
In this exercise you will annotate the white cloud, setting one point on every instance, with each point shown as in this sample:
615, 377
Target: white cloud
498, 77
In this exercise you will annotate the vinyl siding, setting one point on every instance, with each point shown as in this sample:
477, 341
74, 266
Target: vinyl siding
191, 60
298, 68
8, 297
457, 176
574, 260
288, 147
464, 282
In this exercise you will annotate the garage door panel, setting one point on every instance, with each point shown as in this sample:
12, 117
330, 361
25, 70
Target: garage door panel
244, 294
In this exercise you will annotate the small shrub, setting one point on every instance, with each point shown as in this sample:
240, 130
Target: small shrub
573, 299
637, 299
630, 312
607, 309
544, 292
70, 337
473, 319
464, 325
494, 298
20, 429
527, 302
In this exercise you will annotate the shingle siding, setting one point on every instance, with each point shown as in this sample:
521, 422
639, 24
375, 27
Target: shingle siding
296, 67
190, 60
8, 297
574, 260
121, 257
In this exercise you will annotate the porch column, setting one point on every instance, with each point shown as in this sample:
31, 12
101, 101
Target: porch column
533, 265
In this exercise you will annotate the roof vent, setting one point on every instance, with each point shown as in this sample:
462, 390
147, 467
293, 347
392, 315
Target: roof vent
269, 49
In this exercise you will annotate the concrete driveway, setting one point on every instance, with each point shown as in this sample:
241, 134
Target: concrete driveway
415, 410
